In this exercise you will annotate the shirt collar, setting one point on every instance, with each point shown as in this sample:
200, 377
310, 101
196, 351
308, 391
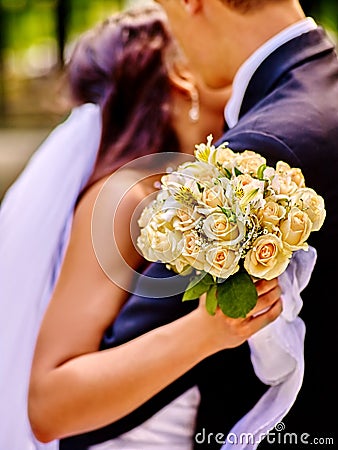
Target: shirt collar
248, 68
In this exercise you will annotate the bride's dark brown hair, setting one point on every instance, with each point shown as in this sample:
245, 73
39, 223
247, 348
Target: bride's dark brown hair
121, 65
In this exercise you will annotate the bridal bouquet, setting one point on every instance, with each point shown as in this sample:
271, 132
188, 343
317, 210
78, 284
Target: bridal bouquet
228, 219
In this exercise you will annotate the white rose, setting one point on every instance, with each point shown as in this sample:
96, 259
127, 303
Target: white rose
154, 207
313, 204
267, 259
159, 220
146, 216
221, 261
286, 185
160, 244
200, 172
249, 161
218, 227
297, 177
144, 242
296, 229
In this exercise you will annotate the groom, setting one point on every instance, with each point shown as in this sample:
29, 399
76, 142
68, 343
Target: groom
284, 71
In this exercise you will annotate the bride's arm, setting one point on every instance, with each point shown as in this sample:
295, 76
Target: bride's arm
74, 387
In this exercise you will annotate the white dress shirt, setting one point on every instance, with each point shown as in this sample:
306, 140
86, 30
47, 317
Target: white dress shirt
249, 67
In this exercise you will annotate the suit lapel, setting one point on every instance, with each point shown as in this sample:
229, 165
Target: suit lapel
290, 55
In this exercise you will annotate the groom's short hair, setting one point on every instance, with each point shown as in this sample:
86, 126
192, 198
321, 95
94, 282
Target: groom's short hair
248, 5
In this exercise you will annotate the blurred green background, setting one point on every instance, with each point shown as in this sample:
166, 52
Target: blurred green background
35, 38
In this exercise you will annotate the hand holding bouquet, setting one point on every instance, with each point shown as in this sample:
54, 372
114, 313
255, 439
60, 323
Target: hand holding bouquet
227, 219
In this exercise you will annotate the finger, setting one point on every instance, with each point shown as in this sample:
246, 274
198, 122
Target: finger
264, 319
203, 299
264, 286
266, 300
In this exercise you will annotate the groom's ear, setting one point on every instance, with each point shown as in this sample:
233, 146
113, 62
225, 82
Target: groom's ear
192, 6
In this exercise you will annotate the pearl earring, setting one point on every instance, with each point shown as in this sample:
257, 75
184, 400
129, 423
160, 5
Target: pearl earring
194, 112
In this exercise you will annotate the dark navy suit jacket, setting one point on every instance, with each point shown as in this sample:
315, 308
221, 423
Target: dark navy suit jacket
289, 113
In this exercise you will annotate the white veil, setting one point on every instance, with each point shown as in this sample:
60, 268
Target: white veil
35, 218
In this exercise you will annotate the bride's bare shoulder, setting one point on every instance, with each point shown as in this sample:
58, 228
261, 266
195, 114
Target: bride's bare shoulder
111, 207
122, 190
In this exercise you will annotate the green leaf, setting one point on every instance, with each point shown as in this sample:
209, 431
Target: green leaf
237, 295
237, 172
197, 286
211, 303
227, 173
225, 211
200, 187
260, 171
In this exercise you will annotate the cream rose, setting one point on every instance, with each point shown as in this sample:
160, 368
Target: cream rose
295, 229
271, 214
289, 179
313, 204
192, 250
185, 220
267, 259
214, 196
295, 174
225, 157
218, 227
180, 265
221, 261
249, 161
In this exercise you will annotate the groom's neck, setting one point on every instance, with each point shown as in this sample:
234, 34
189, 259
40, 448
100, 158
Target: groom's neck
249, 31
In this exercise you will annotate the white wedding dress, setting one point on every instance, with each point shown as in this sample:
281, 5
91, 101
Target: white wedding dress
172, 428
35, 219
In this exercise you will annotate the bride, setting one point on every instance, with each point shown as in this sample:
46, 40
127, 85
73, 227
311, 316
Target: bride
138, 99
